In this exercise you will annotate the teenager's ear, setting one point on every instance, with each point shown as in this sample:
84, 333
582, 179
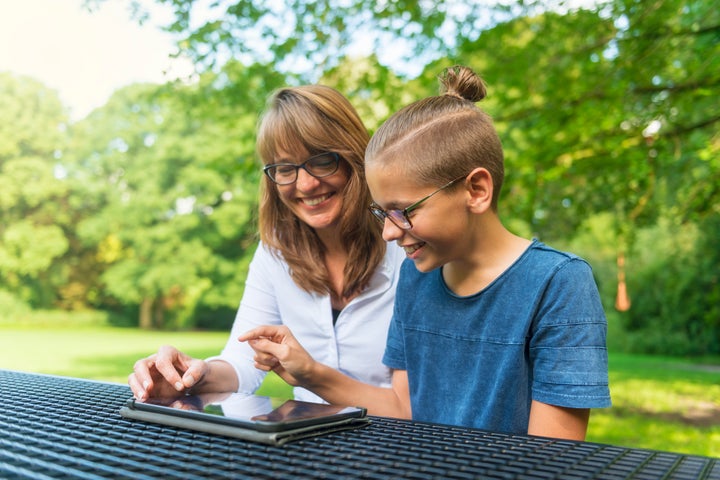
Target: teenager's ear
479, 185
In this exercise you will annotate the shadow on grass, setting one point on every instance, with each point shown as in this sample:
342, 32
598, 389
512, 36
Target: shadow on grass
697, 413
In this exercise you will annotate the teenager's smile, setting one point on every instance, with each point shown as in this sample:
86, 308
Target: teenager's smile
412, 248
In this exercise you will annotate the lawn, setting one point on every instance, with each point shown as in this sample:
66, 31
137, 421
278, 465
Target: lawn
661, 403
658, 403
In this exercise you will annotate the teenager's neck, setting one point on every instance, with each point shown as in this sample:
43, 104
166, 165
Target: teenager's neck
491, 251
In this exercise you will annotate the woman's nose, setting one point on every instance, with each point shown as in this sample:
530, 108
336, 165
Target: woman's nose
305, 181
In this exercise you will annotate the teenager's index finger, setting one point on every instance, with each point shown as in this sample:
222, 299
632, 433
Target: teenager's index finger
266, 346
265, 331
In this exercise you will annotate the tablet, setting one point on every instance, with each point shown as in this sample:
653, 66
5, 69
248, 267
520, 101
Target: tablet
251, 417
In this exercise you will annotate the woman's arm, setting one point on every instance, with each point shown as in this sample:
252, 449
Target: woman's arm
170, 371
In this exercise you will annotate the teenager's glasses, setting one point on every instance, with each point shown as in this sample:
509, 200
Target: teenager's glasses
400, 217
319, 166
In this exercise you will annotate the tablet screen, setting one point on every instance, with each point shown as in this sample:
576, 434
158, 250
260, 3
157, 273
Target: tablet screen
249, 411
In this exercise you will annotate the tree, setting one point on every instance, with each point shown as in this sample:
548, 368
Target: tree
607, 113
174, 191
599, 112
36, 228
603, 108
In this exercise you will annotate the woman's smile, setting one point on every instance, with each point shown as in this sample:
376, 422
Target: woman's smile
317, 200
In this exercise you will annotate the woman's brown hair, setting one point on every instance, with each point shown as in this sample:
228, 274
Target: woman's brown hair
317, 119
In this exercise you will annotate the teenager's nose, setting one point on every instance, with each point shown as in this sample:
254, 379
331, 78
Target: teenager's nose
391, 231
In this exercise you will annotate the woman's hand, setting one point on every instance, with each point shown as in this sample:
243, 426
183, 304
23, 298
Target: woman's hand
277, 349
165, 374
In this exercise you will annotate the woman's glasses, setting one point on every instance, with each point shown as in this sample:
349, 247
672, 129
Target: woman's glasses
319, 166
400, 217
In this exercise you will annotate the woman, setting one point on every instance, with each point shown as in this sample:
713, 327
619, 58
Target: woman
321, 268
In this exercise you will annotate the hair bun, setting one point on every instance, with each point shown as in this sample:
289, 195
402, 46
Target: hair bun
460, 81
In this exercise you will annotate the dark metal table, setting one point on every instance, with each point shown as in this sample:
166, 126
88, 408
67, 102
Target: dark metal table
58, 427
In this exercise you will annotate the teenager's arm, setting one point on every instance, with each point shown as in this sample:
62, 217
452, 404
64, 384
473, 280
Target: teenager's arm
337, 388
277, 350
558, 422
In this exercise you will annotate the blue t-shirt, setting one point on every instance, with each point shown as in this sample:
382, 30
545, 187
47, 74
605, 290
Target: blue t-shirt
537, 332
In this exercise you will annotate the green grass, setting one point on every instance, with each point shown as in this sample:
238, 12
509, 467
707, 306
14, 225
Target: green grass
97, 353
83, 347
661, 403
658, 403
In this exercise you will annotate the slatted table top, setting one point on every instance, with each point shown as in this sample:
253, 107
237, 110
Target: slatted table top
59, 427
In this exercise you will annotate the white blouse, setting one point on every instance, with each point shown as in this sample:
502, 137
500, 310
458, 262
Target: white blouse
354, 345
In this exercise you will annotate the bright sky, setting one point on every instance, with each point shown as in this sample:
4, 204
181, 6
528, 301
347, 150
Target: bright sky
84, 56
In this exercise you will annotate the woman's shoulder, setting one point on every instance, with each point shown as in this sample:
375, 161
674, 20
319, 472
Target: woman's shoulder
268, 257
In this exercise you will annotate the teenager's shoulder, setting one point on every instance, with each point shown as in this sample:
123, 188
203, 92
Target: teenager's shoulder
543, 261
540, 252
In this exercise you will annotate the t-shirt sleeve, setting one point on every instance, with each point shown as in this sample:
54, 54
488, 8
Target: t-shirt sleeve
394, 356
568, 350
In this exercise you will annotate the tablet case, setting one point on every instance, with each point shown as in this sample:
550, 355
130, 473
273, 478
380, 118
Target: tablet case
270, 438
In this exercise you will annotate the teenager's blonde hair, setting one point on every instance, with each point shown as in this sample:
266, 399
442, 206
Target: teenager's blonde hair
440, 138
317, 119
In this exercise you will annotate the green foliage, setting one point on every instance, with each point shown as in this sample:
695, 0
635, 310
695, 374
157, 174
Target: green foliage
375, 91
12, 306
603, 111
302, 36
28, 249
36, 223
607, 115
175, 205
38, 118
676, 295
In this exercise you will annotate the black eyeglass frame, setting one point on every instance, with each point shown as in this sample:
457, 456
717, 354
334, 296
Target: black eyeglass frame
267, 169
396, 215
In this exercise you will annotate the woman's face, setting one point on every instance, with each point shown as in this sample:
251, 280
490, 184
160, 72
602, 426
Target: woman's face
316, 201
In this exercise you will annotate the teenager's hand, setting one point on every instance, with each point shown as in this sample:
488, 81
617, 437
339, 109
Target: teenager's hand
165, 374
277, 349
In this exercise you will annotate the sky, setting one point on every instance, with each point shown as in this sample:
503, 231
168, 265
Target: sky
84, 56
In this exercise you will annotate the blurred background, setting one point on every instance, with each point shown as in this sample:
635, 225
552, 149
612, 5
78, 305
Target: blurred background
128, 178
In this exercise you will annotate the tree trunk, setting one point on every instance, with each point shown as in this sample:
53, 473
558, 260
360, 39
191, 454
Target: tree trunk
146, 320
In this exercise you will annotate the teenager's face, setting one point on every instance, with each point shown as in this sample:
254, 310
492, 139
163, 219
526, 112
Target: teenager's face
315, 201
438, 224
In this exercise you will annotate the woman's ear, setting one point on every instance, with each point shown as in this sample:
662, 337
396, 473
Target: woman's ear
479, 185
